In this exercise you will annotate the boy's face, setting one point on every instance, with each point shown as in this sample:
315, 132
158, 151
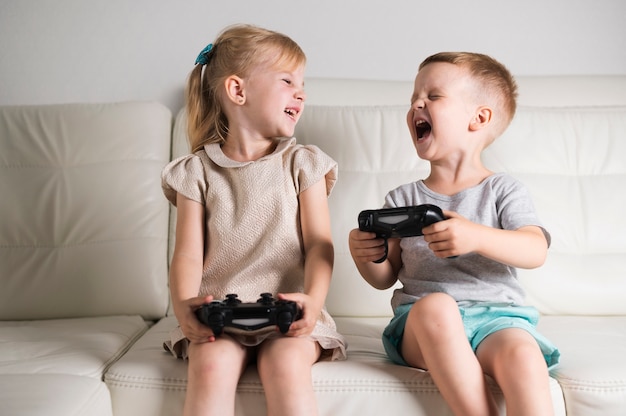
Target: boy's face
442, 107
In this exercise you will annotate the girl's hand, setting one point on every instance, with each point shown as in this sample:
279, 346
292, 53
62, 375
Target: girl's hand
192, 328
310, 312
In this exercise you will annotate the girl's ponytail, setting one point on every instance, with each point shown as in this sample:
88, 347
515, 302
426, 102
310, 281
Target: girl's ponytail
196, 108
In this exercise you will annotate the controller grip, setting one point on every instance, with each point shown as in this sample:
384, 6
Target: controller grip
399, 222
384, 257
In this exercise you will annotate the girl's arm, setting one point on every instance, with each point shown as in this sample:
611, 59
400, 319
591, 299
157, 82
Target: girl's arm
318, 260
186, 269
525, 247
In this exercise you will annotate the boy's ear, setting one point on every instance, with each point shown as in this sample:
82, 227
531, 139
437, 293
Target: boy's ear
235, 89
482, 118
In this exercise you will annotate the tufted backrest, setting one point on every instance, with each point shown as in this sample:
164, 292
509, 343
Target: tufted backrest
567, 143
83, 221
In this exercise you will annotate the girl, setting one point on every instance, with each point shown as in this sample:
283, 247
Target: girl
252, 217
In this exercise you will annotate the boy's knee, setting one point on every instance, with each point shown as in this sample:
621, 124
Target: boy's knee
436, 311
437, 304
523, 355
519, 354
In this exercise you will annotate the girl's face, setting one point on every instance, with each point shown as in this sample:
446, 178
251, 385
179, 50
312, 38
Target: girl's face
442, 108
276, 99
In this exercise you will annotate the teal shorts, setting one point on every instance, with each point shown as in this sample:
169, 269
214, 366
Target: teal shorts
479, 321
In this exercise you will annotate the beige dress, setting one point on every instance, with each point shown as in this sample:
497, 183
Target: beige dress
254, 240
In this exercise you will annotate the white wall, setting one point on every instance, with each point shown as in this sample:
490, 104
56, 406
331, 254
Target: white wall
111, 50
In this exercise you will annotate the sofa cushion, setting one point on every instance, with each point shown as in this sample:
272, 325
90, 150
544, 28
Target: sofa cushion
573, 162
149, 381
83, 347
53, 395
592, 371
85, 232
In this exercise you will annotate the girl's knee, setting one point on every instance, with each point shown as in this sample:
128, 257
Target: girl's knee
287, 355
217, 357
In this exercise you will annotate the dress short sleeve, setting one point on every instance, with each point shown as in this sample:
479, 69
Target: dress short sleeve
310, 164
184, 175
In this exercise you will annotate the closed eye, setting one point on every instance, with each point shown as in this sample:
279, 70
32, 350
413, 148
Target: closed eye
287, 81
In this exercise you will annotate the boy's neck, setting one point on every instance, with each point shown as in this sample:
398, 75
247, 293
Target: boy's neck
450, 182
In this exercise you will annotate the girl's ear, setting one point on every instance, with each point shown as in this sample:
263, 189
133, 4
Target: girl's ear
234, 89
482, 118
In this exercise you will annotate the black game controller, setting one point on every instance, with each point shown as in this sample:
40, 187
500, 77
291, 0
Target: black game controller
399, 222
232, 312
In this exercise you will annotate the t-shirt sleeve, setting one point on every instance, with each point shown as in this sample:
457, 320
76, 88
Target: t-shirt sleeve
516, 208
184, 175
310, 165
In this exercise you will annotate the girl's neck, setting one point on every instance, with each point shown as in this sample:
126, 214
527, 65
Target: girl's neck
246, 151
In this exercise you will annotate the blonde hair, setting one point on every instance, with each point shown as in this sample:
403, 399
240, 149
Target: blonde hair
493, 78
236, 51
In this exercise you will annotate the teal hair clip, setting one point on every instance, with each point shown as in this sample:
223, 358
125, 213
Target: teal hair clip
203, 57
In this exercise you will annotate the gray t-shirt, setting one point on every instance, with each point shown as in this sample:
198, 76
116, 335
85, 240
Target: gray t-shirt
500, 201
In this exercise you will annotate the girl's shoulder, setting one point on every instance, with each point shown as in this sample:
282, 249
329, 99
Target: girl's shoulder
184, 174
309, 164
187, 164
307, 151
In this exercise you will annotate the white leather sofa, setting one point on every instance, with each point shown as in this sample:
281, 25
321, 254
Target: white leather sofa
85, 236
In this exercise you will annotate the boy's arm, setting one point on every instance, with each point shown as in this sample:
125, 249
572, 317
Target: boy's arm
525, 247
365, 248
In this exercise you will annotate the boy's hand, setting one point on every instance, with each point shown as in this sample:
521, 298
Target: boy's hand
365, 247
192, 328
453, 237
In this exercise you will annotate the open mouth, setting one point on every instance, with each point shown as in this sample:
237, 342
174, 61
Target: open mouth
422, 129
291, 112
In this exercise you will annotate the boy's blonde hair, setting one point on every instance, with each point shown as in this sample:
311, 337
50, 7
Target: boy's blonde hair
236, 51
493, 78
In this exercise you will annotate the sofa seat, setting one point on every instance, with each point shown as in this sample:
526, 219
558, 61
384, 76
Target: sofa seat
591, 375
592, 371
53, 395
81, 347
149, 380
56, 366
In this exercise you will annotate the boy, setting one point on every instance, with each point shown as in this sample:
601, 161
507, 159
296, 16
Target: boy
459, 313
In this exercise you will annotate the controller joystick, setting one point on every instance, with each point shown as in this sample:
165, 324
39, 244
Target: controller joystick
265, 299
232, 299
399, 222
232, 314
